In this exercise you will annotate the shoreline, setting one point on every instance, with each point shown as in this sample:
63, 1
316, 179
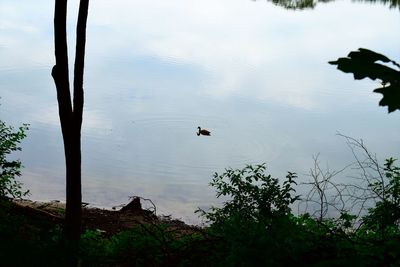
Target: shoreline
106, 221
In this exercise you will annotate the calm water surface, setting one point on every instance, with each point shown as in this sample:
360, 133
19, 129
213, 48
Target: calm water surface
254, 74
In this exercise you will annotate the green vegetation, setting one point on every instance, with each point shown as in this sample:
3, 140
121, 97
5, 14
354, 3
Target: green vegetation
385, 216
255, 226
311, 4
254, 195
10, 169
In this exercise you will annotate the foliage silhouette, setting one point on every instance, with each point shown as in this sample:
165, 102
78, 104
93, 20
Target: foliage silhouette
295, 4
254, 194
255, 227
10, 169
363, 64
311, 4
251, 228
386, 213
391, 3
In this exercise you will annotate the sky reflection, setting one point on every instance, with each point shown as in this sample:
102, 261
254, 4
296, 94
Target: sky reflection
253, 73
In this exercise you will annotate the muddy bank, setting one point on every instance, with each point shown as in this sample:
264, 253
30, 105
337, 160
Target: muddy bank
107, 221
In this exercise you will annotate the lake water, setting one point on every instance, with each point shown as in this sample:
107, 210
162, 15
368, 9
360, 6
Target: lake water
253, 73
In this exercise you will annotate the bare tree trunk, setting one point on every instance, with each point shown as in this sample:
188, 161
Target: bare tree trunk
70, 116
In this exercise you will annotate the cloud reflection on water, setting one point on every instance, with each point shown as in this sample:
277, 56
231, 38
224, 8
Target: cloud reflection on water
255, 74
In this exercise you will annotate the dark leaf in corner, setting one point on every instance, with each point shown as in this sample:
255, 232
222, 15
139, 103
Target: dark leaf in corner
363, 64
391, 96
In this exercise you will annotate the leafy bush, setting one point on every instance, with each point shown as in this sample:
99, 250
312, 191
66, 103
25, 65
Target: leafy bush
255, 226
386, 213
253, 195
144, 245
10, 169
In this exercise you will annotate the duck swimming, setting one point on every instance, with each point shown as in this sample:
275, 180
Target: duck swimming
203, 132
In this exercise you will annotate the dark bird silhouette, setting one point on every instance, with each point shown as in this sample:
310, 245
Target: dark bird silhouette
203, 132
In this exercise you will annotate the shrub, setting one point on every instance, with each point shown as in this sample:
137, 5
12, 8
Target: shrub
255, 226
10, 169
253, 195
386, 213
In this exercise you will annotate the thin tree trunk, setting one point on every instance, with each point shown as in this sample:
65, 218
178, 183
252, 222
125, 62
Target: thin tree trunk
70, 116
